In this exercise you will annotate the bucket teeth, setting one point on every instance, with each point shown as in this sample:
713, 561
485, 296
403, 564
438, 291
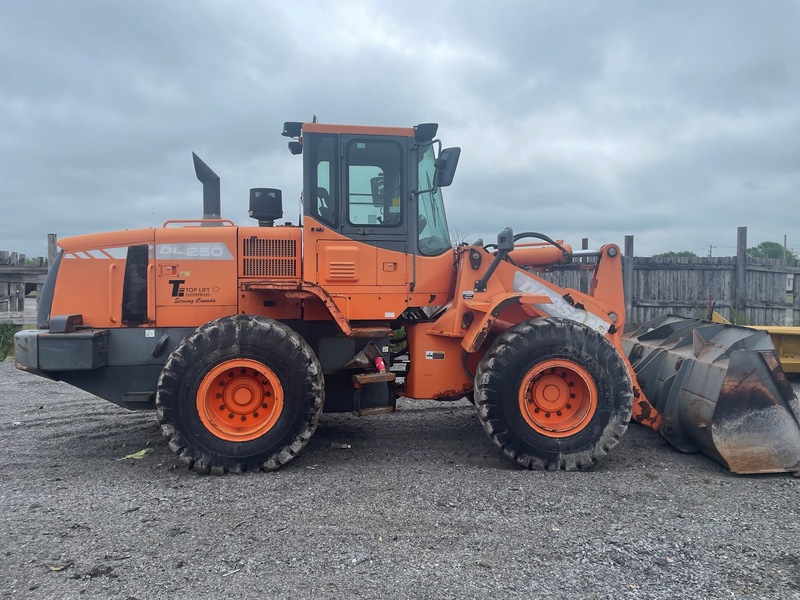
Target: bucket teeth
721, 391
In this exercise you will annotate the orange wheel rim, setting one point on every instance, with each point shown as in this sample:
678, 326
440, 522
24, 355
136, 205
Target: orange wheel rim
558, 398
240, 400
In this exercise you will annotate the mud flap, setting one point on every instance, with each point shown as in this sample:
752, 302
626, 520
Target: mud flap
721, 391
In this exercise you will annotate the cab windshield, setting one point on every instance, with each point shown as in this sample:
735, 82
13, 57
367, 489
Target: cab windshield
434, 236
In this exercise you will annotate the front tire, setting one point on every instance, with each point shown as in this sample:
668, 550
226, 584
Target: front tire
553, 394
239, 394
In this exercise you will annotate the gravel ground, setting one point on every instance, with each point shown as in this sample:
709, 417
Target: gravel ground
421, 506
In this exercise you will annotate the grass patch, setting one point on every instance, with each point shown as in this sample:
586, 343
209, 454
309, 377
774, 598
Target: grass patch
7, 331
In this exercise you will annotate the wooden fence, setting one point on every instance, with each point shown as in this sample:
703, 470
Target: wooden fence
689, 286
17, 279
744, 290
19, 276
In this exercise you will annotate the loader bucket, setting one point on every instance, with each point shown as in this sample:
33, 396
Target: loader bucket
721, 391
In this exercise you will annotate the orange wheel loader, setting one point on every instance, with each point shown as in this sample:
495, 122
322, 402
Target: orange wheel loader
240, 337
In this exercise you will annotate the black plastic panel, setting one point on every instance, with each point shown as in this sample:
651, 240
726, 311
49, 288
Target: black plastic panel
134, 290
48, 289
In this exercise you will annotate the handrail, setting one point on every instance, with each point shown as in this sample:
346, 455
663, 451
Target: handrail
224, 222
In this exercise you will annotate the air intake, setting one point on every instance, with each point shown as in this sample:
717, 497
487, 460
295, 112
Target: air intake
266, 205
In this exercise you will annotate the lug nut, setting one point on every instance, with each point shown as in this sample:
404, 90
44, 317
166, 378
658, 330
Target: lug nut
263, 405
222, 407
255, 414
244, 418
230, 415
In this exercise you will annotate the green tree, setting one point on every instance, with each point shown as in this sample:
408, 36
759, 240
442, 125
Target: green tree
676, 254
772, 250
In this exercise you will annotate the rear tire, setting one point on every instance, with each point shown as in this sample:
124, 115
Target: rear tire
553, 394
239, 394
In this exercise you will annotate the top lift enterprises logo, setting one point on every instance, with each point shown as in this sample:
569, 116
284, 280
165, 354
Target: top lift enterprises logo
192, 295
180, 292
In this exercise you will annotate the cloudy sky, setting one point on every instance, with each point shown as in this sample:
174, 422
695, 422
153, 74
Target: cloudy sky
674, 121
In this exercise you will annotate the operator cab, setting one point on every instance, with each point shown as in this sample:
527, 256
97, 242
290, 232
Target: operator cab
379, 185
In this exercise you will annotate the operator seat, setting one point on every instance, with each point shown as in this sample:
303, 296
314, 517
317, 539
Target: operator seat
325, 208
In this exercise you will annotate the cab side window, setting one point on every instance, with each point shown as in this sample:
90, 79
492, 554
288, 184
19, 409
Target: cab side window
323, 194
374, 183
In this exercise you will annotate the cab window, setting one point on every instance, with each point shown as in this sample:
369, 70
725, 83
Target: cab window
323, 196
434, 235
374, 183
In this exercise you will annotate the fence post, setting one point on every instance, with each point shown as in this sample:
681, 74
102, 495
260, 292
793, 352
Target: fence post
584, 279
795, 299
740, 281
51, 248
627, 274
18, 297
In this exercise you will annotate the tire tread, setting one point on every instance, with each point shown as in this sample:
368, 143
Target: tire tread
232, 333
493, 374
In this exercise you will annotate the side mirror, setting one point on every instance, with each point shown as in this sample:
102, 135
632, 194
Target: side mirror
505, 240
293, 129
446, 166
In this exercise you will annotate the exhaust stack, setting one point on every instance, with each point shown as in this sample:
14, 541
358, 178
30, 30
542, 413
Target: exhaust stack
211, 195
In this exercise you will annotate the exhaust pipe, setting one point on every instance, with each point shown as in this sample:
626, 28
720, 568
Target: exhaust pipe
211, 195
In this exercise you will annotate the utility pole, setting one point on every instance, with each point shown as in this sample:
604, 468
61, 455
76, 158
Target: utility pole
710, 249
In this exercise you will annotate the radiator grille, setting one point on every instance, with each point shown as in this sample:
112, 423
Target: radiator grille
270, 248
269, 258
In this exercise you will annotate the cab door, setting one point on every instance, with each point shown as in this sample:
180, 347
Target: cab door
356, 205
375, 192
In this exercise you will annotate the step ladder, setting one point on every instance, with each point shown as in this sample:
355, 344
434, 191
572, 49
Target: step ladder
362, 379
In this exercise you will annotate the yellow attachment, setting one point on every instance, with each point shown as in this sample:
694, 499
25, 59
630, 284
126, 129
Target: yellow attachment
786, 340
